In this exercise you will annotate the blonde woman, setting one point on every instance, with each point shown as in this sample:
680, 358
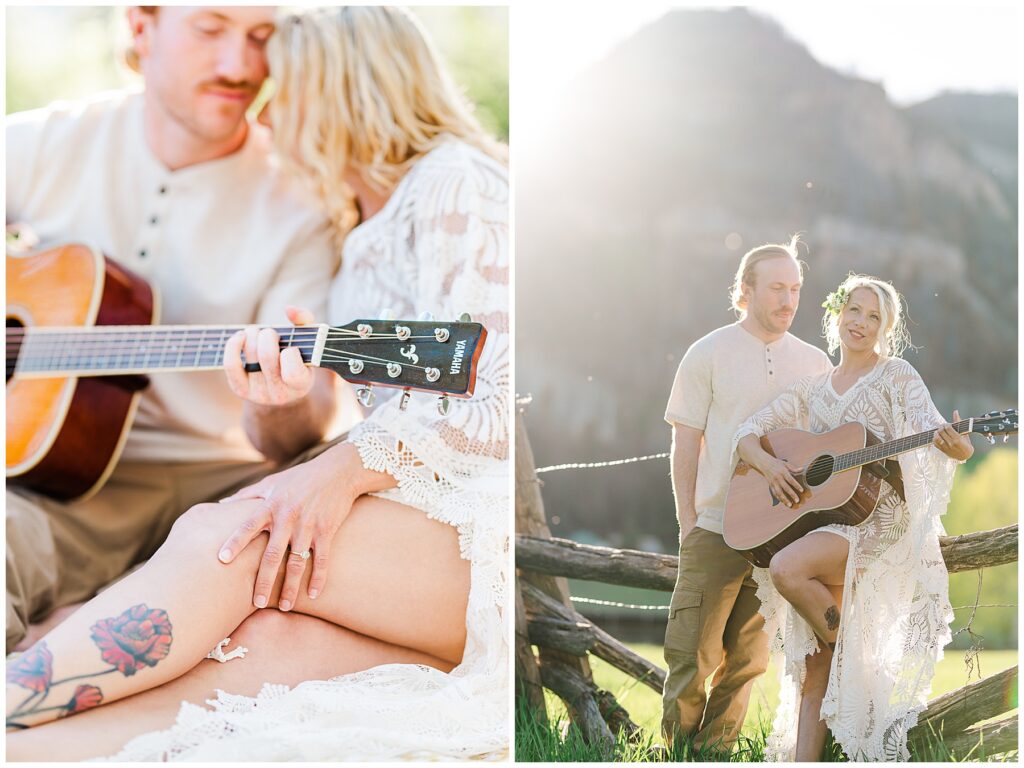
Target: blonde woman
390, 641
858, 616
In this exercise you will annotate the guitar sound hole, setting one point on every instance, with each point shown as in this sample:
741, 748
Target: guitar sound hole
13, 345
820, 470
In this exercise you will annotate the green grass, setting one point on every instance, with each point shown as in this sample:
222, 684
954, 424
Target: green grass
560, 743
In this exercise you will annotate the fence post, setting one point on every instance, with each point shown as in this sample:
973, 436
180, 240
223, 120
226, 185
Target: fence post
567, 675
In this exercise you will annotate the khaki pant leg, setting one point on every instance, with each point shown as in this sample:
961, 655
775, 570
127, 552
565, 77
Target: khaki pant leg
706, 588
746, 659
31, 565
59, 554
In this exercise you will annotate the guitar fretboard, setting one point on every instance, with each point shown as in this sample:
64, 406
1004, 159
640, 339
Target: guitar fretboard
892, 448
133, 349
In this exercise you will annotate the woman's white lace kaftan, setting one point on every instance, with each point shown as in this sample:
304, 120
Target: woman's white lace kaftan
440, 244
895, 615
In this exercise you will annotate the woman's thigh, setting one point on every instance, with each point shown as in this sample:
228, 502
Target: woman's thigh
284, 648
394, 574
819, 555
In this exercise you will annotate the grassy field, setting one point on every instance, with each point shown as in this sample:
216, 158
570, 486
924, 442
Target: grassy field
644, 707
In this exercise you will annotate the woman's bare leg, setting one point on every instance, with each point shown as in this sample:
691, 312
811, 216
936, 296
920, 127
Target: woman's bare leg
803, 573
395, 575
316, 650
810, 574
811, 729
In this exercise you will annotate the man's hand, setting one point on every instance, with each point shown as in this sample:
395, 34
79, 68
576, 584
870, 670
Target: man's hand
283, 377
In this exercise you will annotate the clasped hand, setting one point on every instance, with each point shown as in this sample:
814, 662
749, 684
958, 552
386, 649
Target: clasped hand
302, 508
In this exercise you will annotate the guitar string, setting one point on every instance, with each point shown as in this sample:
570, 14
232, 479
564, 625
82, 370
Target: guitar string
328, 355
873, 453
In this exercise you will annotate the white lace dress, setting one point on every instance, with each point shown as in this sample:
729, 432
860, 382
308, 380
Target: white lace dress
440, 244
896, 611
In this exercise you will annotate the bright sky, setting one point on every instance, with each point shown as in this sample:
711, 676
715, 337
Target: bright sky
915, 50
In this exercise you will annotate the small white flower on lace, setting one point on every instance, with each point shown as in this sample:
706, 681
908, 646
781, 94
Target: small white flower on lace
217, 654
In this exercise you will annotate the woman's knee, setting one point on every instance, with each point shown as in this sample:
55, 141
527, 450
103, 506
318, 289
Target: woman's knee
786, 572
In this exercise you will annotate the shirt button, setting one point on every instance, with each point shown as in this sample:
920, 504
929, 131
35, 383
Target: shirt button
142, 253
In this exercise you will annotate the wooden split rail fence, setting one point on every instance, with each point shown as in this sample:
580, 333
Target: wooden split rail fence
546, 618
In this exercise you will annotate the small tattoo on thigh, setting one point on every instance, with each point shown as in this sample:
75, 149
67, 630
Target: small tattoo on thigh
832, 618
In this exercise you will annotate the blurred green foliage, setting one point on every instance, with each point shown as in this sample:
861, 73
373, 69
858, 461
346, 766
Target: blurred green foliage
984, 497
71, 52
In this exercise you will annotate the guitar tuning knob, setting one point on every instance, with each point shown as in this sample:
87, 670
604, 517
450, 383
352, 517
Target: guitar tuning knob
465, 317
394, 370
441, 334
1005, 438
403, 332
364, 329
355, 366
403, 403
432, 374
991, 439
387, 314
444, 404
425, 317
366, 396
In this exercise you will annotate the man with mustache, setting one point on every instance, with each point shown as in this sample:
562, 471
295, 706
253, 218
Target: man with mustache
176, 184
714, 626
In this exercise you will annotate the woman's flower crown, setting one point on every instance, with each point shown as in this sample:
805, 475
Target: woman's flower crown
836, 300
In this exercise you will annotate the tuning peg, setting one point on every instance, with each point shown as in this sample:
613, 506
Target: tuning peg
991, 439
355, 366
1005, 438
387, 314
366, 396
441, 334
403, 332
364, 329
403, 403
465, 318
394, 370
432, 374
444, 404
425, 317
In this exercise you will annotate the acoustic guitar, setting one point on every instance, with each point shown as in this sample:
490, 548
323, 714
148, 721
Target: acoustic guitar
80, 341
841, 478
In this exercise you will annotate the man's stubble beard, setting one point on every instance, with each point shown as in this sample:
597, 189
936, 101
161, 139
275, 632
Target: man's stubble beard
766, 320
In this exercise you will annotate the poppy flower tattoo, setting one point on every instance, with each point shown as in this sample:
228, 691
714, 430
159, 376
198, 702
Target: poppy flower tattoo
138, 638
33, 669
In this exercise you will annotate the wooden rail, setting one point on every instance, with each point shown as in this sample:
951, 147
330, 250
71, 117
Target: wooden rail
546, 618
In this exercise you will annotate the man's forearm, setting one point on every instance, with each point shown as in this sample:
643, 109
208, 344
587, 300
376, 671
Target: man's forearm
685, 452
281, 432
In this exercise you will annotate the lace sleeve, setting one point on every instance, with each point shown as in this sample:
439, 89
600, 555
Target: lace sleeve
787, 410
927, 472
454, 467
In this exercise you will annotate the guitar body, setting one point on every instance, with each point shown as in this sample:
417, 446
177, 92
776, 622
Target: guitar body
64, 435
757, 525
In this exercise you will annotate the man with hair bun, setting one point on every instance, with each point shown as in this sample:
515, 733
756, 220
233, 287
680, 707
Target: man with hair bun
178, 186
714, 627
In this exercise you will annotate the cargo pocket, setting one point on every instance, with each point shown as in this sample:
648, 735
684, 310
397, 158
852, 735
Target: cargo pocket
683, 629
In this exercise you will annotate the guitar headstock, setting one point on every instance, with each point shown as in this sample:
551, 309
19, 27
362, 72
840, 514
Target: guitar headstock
996, 423
429, 356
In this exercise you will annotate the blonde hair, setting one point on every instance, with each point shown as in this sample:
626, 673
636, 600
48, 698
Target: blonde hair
893, 336
745, 273
362, 87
